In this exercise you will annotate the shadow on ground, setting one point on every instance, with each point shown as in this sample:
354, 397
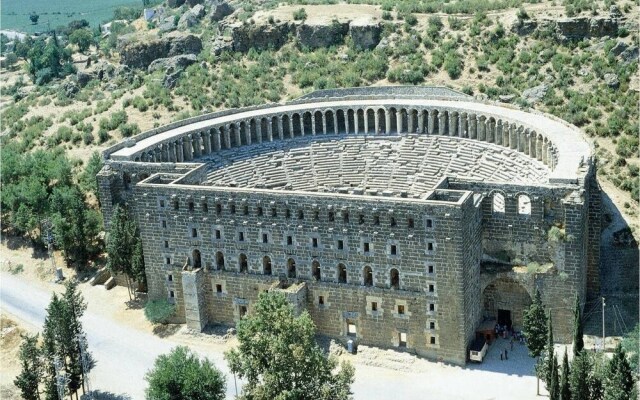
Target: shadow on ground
99, 395
166, 330
517, 361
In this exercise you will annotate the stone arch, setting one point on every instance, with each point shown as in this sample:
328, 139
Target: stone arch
297, 125
307, 123
266, 265
423, 120
242, 130
316, 272
392, 118
370, 122
367, 276
394, 279
219, 261
234, 135
286, 127
351, 121
341, 117
275, 128
524, 204
402, 121
253, 131
412, 121
291, 269
242, 263
360, 118
264, 129
317, 117
342, 273
330, 123
196, 259
506, 299
381, 118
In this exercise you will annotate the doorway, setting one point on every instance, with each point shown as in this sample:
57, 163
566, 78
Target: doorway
504, 318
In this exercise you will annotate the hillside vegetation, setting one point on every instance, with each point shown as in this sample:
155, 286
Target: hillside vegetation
65, 97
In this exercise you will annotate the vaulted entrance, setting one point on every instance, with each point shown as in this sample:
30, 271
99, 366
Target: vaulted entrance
505, 300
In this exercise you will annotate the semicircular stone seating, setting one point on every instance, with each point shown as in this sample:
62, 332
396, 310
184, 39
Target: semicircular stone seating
256, 131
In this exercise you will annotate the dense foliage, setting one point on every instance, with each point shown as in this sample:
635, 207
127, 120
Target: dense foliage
181, 375
280, 359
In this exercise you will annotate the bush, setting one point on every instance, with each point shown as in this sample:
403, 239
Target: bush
87, 138
159, 311
386, 15
129, 129
300, 15
453, 65
103, 135
556, 234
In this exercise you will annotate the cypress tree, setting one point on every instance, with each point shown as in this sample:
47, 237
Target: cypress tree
29, 378
579, 377
74, 309
120, 243
550, 356
565, 391
51, 348
578, 341
554, 386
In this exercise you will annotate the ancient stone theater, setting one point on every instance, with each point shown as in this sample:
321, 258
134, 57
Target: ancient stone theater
400, 217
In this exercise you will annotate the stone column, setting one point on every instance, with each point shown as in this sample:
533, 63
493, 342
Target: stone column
346, 122
324, 123
506, 134
259, 131
376, 120
463, 128
313, 124
539, 148
196, 144
226, 137
291, 130
431, 122
482, 128
366, 122
158, 154
521, 139
187, 148
473, 126
420, 121
165, 152
207, 142
280, 131
172, 151
179, 150
400, 121
532, 144
498, 133
247, 131
216, 139
513, 137
453, 123
442, 123
194, 295
236, 132
545, 151
270, 129
336, 129
491, 126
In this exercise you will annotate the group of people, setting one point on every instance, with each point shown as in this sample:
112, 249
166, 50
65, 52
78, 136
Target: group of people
507, 331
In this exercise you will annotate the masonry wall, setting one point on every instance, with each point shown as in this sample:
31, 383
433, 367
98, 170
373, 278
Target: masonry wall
429, 257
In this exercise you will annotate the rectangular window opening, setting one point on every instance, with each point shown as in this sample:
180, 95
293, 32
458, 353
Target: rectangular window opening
394, 250
430, 246
365, 247
314, 242
166, 244
265, 238
321, 300
191, 206
161, 203
430, 269
340, 245
432, 288
241, 236
400, 310
432, 325
429, 223
218, 288
402, 339
260, 212
432, 307
164, 223
167, 260
172, 294
289, 240
194, 232
351, 328
218, 234
410, 223
170, 278
374, 306
432, 340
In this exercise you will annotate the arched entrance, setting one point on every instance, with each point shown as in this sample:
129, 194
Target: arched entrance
506, 300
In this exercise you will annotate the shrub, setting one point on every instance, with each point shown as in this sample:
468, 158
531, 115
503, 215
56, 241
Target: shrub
410, 19
103, 136
159, 311
386, 15
300, 15
453, 65
556, 234
87, 138
129, 129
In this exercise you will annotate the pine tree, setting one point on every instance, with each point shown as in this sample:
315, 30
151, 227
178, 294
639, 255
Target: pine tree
550, 357
535, 330
29, 378
554, 386
579, 376
578, 341
618, 380
565, 391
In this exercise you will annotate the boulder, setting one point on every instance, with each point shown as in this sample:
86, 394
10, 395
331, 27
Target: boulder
630, 55
219, 10
535, 94
83, 78
184, 44
524, 27
260, 37
614, 11
167, 24
319, 35
170, 80
506, 98
141, 53
191, 17
221, 45
584, 27
70, 88
618, 48
611, 80
365, 35
172, 64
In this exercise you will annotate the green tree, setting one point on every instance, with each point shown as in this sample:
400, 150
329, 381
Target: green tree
52, 345
121, 243
565, 390
34, 18
554, 386
550, 357
87, 179
279, 358
137, 264
30, 376
618, 381
182, 375
579, 377
69, 223
534, 326
83, 38
578, 341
